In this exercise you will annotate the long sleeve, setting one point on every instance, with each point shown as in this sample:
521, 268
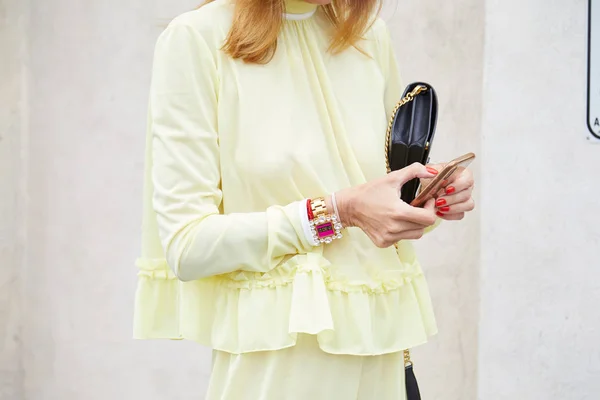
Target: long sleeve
198, 240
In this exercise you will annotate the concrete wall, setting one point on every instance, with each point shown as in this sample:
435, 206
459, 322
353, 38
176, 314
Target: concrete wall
540, 238
13, 141
90, 75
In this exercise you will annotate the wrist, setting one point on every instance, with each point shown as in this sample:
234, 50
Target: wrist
344, 205
324, 223
329, 204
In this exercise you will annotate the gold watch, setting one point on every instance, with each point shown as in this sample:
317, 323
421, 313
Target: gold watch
324, 226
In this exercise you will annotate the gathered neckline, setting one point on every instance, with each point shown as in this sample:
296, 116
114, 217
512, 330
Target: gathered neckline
299, 17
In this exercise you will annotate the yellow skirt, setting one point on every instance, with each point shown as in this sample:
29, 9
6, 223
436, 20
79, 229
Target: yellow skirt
305, 372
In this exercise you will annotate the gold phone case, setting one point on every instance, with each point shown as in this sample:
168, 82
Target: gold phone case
441, 179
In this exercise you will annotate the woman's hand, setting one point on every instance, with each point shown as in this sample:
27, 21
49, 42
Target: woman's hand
457, 198
376, 208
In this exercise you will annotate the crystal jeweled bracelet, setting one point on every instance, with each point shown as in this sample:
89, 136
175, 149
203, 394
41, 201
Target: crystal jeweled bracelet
324, 226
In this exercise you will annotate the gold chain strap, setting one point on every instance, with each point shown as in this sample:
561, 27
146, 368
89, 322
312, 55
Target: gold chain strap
407, 360
388, 143
388, 136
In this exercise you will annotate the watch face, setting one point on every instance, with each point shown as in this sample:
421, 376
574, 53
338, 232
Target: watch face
325, 230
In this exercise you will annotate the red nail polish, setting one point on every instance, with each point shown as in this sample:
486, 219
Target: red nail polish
450, 189
445, 209
432, 170
439, 214
440, 202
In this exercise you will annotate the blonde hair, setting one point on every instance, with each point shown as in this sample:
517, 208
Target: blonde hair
257, 23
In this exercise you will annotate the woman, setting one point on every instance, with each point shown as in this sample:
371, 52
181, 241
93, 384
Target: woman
264, 116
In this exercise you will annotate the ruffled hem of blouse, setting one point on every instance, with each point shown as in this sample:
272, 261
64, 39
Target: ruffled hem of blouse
248, 312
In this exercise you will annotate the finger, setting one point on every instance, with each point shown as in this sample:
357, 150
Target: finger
452, 217
448, 200
404, 226
461, 182
459, 208
421, 216
430, 205
411, 172
411, 235
438, 167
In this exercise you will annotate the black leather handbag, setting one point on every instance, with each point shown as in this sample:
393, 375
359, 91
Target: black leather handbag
410, 132
408, 140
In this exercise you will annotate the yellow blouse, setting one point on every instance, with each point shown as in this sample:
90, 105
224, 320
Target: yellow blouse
232, 148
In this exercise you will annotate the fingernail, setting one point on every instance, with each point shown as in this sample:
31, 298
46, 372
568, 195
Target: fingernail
445, 209
439, 214
432, 170
450, 189
440, 202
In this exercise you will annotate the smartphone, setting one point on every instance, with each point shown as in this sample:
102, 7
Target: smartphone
442, 179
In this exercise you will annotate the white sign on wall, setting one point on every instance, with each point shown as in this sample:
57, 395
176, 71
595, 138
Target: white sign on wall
593, 113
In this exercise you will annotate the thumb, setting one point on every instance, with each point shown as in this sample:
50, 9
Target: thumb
430, 205
411, 172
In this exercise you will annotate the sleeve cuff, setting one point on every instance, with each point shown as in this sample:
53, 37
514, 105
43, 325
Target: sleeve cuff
305, 225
